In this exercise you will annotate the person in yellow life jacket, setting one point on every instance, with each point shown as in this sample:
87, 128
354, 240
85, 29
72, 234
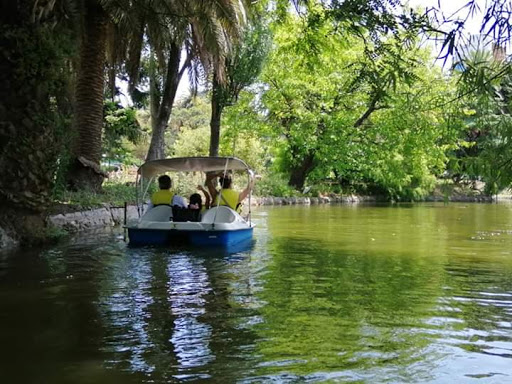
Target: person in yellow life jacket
165, 194
228, 197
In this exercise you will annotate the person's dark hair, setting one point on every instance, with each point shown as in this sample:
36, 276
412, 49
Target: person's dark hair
225, 182
195, 198
164, 182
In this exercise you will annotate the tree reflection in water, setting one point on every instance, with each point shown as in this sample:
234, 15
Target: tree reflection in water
174, 315
398, 294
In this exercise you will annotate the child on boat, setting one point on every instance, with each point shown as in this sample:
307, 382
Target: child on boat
196, 202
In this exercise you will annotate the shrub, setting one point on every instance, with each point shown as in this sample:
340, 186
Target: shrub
274, 185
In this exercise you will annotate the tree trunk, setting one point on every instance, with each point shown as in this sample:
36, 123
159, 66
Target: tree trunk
89, 100
300, 172
217, 108
159, 125
31, 72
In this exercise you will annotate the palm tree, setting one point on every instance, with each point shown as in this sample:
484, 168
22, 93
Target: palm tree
111, 32
205, 36
169, 26
85, 170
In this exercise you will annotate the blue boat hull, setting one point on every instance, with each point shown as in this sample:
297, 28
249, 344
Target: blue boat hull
225, 238
139, 236
144, 236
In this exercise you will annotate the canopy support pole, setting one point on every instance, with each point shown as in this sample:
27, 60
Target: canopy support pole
220, 194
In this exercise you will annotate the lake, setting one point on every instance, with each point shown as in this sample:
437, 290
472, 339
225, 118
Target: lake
335, 293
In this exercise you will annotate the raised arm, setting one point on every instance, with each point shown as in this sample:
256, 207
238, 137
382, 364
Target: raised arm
247, 189
209, 184
206, 196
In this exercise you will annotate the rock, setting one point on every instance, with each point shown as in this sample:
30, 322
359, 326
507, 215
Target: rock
95, 218
324, 200
254, 202
267, 201
303, 200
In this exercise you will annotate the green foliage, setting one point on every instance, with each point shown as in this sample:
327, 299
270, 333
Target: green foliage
192, 112
192, 142
189, 132
342, 104
244, 145
241, 136
336, 115
245, 63
114, 194
119, 125
274, 185
484, 151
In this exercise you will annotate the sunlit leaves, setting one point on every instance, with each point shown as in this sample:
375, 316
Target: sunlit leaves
119, 124
353, 112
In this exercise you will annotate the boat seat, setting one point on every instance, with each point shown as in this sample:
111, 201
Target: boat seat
158, 213
224, 215
185, 214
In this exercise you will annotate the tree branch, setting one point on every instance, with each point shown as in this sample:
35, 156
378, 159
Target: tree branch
371, 108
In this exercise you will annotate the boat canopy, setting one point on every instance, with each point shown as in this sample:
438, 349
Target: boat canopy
190, 164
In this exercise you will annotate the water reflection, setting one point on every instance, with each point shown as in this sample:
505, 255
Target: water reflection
341, 294
374, 296
171, 311
336, 311
189, 287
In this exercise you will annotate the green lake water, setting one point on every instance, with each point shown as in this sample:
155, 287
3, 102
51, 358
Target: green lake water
371, 294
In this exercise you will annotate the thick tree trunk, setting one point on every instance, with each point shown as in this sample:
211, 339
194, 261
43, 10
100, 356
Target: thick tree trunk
217, 108
89, 100
300, 172
31, 71
172, 80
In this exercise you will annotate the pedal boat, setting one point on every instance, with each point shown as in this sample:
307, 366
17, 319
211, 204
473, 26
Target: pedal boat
165, 225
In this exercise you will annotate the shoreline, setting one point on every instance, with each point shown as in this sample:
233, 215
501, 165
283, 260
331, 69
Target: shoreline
71, 220
105, 216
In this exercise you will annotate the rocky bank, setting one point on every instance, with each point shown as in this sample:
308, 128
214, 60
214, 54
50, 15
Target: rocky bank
105, 216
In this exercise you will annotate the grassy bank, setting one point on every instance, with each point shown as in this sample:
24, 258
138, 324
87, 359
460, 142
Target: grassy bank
114, 193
